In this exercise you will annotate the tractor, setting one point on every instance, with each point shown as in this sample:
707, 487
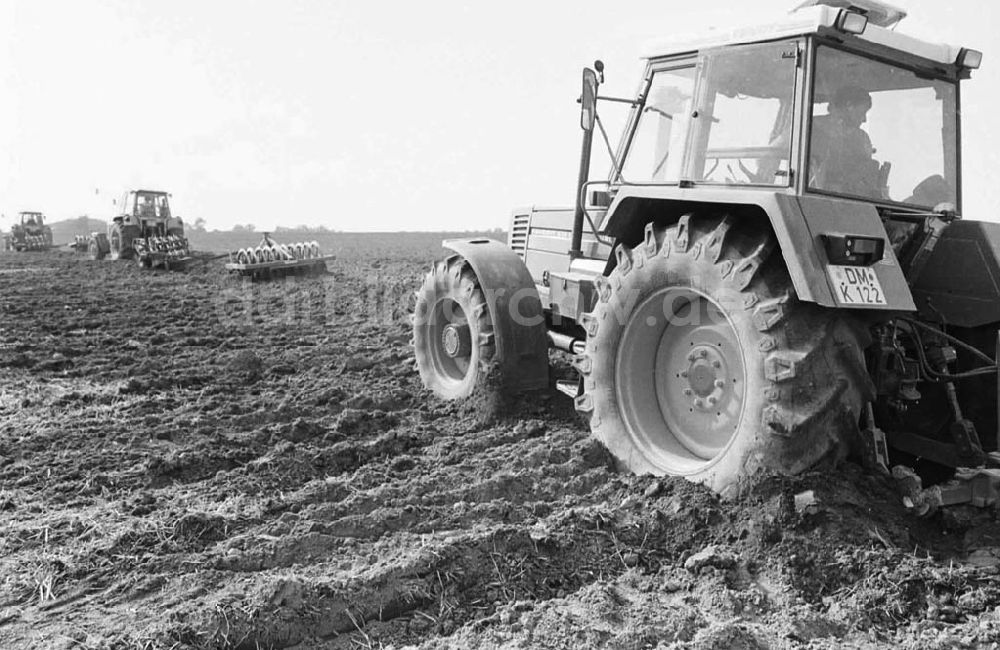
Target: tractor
775, 273
145, 231
30, 234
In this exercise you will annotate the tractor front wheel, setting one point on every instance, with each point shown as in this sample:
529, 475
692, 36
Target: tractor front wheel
701, 363
453, 331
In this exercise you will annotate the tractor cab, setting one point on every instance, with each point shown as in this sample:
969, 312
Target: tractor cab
149, 212
828, 102
147, 206
32, 222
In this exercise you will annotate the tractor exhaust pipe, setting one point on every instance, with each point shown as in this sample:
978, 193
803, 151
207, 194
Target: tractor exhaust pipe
567, 343
577, 238
588, 115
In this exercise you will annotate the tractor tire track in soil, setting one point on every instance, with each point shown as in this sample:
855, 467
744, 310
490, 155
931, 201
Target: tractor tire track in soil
188, 460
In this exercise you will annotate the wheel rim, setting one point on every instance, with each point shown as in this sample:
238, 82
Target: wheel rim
448, 334
680, 380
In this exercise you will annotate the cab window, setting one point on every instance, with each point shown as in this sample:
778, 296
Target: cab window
726, 120
656, 150
742, 126
882, 132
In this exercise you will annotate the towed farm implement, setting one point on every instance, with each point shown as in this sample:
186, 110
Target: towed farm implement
271, 259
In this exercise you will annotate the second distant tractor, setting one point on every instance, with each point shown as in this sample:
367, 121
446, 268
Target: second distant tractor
30, 234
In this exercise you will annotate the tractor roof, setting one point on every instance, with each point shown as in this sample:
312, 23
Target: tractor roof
29, 212
157, 192
812, 17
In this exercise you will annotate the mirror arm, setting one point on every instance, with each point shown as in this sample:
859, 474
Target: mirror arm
622, 100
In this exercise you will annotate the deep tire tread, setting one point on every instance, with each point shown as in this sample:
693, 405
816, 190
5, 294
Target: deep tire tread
813, 380
454, 278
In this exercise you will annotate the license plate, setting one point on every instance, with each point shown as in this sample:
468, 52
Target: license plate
856, 285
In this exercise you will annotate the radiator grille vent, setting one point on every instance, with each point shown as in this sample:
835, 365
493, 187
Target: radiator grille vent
518, 237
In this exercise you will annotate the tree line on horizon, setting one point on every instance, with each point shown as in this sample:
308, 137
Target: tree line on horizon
200, 224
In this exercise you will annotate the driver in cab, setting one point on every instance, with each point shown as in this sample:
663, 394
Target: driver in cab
841, 152
146, 208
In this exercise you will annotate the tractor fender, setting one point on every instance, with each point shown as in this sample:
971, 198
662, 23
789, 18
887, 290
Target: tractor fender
801, 225
515, 308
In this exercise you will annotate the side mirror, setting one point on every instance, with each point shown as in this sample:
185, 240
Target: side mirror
588, 100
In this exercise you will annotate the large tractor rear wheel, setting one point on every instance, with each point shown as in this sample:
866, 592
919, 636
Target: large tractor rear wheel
453, 331
120, 238
700, 362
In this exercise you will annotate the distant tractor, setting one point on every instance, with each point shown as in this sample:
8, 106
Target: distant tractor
29, 234
760, 284
146, 231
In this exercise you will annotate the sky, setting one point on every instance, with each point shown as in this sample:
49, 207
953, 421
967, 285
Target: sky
376, 115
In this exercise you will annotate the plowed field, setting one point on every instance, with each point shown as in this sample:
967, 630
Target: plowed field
191, 461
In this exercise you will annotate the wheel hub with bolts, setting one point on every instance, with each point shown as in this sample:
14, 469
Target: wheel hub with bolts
706, 377
688, 414
456, 340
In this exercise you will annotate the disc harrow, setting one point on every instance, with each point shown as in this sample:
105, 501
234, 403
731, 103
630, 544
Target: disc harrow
269, 258
33, 243
170, 251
